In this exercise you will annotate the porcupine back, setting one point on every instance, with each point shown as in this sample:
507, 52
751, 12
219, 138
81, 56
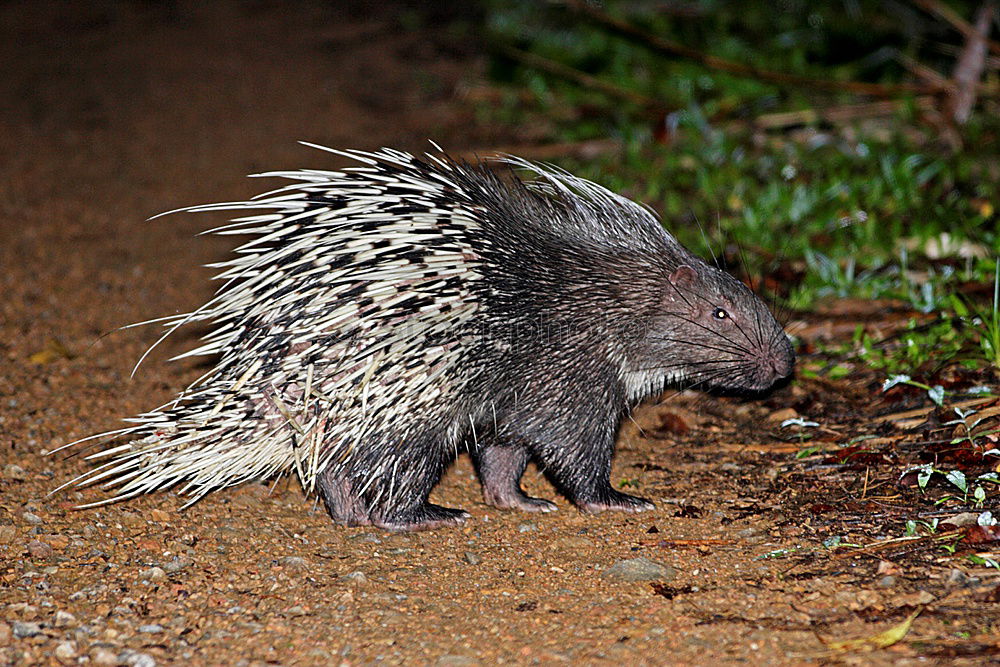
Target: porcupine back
389, 315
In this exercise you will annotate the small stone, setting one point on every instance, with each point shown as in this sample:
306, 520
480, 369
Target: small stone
14, 472
639, 569
456, 661
176, 564
472, 558
23, 629
153, 574
151, 628
365, 537
782, 415
65, 651
357, 578
31, 518
294, 563
63, 619
957, 577
136, 659
104, 657
5, 634
527, 527
297, 610
40, 550
888, 581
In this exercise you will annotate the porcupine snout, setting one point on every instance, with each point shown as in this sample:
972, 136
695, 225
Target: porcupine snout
775, 362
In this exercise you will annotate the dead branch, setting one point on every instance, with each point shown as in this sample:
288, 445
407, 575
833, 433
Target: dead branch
838, 114
582, 78
970, 66
945, 12
673, 48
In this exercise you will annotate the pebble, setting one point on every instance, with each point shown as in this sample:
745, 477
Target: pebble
294, 563
104, 657
41, 550
957, 577
472, 558
888, 581
365, 537
24, 629
176, 564
527, 527
5, 634
456, 661
65, 651
136, 659
153, 574
31, 518
14, 472
357, 577
151, 628
639, 569
63, 619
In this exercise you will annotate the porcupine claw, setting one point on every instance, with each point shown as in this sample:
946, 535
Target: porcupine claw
618, 501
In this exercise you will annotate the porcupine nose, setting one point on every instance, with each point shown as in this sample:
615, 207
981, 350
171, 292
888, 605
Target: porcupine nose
780, 361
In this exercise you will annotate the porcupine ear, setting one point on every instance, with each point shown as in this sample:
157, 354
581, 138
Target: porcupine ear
680, 283
683, 277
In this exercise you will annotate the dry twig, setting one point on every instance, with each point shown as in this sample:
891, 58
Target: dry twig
673, 48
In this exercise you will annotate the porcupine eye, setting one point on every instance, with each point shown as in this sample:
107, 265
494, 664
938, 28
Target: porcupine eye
720, 314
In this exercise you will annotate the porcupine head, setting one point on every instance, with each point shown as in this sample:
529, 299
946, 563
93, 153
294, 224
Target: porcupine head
390, 315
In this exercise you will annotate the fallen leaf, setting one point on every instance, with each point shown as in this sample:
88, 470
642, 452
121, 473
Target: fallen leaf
881, 640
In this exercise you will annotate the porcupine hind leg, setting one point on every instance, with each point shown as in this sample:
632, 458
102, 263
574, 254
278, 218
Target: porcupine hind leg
500, 467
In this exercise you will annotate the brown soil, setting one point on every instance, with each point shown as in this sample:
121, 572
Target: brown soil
117, 111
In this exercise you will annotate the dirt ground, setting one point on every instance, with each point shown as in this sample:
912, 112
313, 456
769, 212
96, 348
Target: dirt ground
118, 111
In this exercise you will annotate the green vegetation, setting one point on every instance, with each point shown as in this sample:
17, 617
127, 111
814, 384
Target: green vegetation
884, 204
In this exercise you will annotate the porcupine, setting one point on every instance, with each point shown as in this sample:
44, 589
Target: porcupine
390, 315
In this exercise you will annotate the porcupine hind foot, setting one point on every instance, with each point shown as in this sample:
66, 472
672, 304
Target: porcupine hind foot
500, 468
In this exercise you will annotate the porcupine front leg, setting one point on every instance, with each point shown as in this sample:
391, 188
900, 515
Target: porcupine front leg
576, 455
500, 467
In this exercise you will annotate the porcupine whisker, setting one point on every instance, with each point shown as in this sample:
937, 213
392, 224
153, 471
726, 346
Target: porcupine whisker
725, 364
712, 331
700, 345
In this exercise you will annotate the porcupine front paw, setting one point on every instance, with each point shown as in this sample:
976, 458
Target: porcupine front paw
421, 517
609, 499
